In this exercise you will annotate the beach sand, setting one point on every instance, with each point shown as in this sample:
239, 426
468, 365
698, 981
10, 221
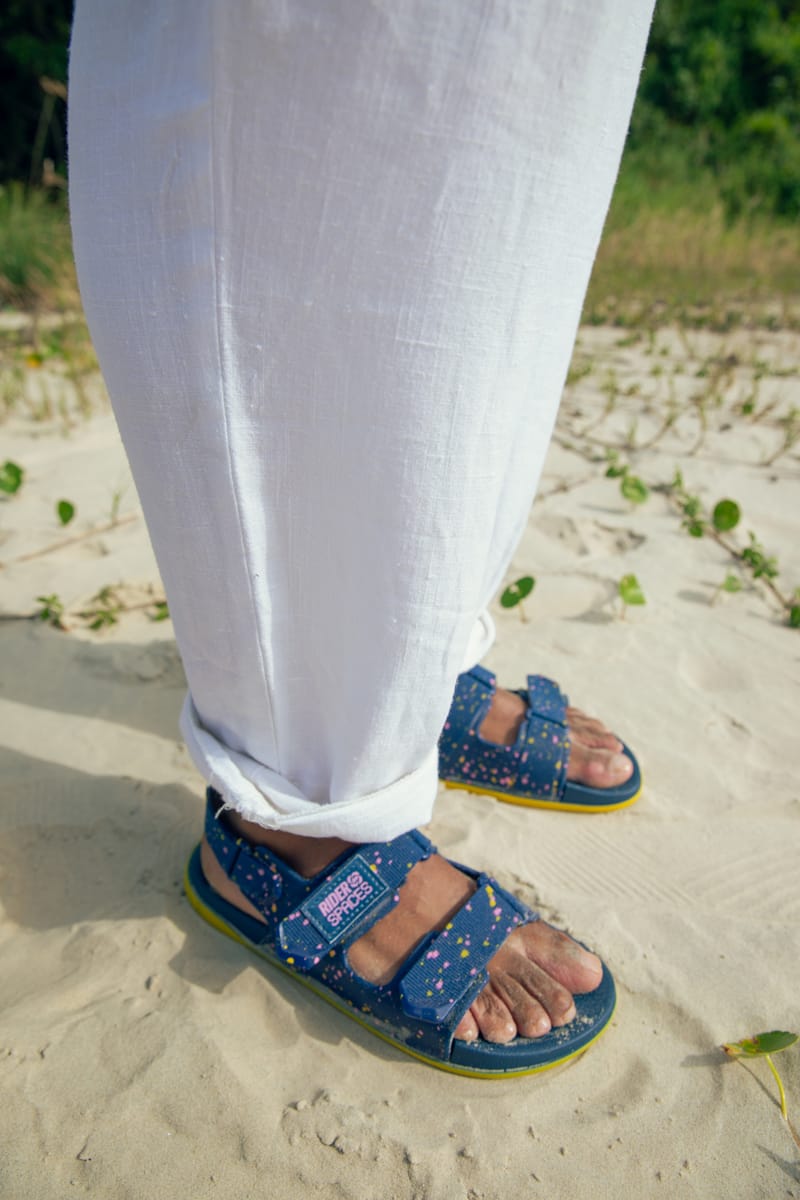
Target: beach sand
142, 1054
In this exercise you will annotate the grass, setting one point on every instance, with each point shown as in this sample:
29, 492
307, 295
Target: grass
45, 361
36, 269
669, 255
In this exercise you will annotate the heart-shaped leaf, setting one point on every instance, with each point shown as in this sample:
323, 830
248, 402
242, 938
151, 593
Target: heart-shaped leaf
634, 489
66, 511
630, 590
760, 1043
517, 591
11, 475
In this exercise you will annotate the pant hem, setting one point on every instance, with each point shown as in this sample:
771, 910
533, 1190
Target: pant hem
261, 795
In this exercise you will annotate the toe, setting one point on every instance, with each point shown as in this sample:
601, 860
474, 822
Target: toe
493, 1017
467, 1029
530, 1017
598, 768
552, 996
597, 741
591, 732
561, 958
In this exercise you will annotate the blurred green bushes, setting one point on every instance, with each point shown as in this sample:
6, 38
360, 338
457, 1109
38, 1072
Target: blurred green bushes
720, 97
34, 35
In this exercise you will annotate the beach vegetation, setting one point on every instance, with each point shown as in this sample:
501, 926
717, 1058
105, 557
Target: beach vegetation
66, 511
103, 609
630, 593
633, 488
703, 224
726, 515
11, 477
723, 519
730, 584
516, 592
764, 1045
35, 250
116, 501
52, 610
719, 524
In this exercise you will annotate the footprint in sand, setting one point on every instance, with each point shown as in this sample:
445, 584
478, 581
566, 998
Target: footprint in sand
587, 538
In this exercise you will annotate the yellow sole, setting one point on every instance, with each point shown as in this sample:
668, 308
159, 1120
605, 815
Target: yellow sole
222, 926
551, 804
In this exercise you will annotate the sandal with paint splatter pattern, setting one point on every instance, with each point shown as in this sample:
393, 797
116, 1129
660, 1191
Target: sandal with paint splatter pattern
311, 923
532, 771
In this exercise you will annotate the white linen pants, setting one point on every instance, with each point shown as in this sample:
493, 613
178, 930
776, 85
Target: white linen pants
333, 255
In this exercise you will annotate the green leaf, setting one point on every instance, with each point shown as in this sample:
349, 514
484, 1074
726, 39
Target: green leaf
758, 562
66, 511
101, 618
615, 468
11, 475
517, 591
694, 528
629, 590
677, 483
692, 506
634, 489
760, 1043
731, 583
726, 515
794, 616
160, 611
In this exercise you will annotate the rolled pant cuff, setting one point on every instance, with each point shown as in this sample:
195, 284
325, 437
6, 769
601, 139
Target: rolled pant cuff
261, 795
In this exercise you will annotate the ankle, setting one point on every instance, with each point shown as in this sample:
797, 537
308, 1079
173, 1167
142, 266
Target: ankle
306, 855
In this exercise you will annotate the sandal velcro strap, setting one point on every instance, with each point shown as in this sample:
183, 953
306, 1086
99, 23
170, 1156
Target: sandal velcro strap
452, 968
350, 899
484, 677
546, 700
544, 741
252, 868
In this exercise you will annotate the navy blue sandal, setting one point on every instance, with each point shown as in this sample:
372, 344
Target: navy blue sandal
532, 771
310, 923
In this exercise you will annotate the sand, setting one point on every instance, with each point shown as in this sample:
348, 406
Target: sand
143, 1054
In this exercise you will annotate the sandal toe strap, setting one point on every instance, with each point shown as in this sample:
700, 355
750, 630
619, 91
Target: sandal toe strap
546, 700
450, 971
544, 741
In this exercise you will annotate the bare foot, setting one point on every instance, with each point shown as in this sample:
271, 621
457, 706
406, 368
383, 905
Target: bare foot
595, 754
532, 977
